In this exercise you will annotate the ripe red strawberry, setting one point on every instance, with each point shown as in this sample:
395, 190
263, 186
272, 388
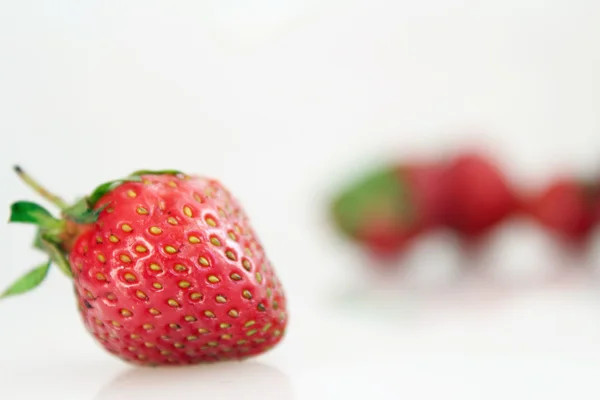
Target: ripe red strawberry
478, 196
567, 208
388, 208
166, 268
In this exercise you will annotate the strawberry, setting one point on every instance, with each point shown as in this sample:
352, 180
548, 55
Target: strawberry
426, 184
166, 269
386, 209
477, 196
567, 208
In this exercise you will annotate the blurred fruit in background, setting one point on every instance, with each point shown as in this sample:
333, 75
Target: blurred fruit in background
477, 196
375, 212
386, 209
567, 207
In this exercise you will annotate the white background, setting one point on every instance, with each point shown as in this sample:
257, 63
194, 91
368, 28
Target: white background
281, 100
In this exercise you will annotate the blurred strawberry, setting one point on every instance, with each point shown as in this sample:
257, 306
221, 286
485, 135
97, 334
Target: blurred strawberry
478, 196
386, 209
426, 183
568, 208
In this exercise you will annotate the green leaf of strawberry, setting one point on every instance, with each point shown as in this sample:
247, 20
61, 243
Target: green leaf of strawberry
159, 172
27, 282
106, 187
82, 213
56, 255
31, 213
37, 241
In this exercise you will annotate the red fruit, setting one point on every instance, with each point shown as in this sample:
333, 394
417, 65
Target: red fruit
567, 208
388, 208
478, 196
166, 268
384, 240
426, 183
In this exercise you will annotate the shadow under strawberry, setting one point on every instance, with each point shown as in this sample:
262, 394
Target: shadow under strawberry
227, 380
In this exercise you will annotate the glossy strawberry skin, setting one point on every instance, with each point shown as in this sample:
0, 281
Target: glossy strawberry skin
173, 273
565, 208
477, 196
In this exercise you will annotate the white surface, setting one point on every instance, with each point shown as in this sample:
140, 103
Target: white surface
279, 109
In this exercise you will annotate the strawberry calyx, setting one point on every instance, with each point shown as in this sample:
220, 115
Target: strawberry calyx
56, 236
380, 195
49, 230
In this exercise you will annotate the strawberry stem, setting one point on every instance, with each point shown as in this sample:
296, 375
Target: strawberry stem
32, 183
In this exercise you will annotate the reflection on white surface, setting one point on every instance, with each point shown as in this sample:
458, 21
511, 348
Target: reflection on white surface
232, 380
454, 376
446, 374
